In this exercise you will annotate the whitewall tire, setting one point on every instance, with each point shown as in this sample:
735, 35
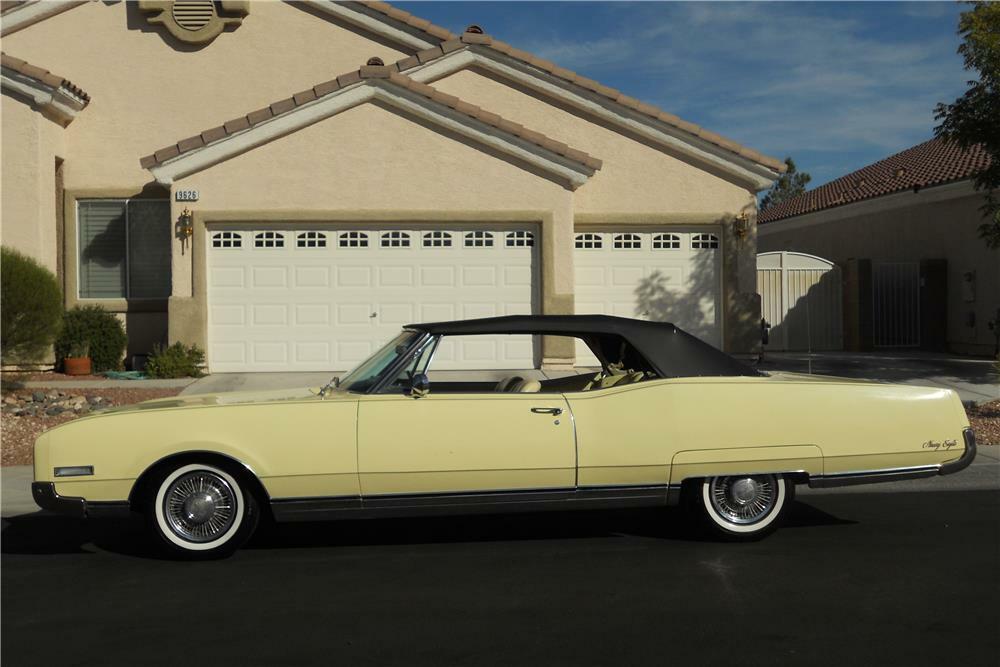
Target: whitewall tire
742, 507
201, 511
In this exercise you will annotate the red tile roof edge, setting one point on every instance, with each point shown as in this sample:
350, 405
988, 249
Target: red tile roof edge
454, 42
42, 75
933, 162
389, 72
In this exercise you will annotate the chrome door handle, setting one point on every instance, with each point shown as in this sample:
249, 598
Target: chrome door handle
547, 411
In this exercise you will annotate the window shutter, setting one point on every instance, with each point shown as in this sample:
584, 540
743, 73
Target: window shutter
149, 248
102, 249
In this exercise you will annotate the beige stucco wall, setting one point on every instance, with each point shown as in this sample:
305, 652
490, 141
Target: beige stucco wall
31, 144
149, 90
639, 183
372, 164
909, 233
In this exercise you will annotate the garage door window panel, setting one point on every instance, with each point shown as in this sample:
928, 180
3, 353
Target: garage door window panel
395, 240
353, 240
627, 242
311, 240
227, 240
666, 242
589, 242
124, 249
704, 241
269, 240
479, 240
437, 240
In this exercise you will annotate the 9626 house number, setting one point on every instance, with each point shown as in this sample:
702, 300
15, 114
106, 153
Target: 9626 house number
186, 195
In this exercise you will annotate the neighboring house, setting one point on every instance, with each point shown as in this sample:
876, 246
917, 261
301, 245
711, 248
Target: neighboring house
251, 178
905, 232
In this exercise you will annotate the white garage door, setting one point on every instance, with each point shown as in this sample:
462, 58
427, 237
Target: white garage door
667, 275
324, 297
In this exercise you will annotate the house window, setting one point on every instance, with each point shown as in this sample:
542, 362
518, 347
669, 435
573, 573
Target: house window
227, 240
520, 239
704, 241
627, 242
311, 240
395, 240
479, 240
124, 248
353, 240
589, 241
437, 240
269, 240
666, 242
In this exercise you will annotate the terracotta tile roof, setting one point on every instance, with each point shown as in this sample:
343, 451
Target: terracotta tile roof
409, 19
42, 75
390, 72
933, 162
7, 5
453, 43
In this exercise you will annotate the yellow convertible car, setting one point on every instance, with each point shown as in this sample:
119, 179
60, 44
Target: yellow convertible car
666, 419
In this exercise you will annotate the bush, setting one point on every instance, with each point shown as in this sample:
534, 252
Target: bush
175, 361
93, 328
30, 308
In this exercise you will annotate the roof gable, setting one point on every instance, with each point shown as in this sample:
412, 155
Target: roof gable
931, 163
59, 98
372, 82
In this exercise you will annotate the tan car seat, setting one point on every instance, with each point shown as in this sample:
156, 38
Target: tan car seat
527, 387
507, 384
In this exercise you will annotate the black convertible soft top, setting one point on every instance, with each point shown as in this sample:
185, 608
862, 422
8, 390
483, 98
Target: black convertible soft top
670, 351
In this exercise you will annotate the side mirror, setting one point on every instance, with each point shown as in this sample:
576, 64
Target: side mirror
420, 386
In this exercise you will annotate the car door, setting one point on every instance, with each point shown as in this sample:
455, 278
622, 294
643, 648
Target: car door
450, 443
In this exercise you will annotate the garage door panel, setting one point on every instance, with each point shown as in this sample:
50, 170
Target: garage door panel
315, 304
660, 275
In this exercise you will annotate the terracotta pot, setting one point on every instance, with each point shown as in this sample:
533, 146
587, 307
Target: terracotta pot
76, 365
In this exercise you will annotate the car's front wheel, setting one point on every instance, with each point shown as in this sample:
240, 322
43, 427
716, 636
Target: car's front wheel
741, 507
201, 511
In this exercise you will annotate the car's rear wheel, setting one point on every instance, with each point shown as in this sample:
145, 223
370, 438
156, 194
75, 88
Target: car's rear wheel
200, 511
742, 507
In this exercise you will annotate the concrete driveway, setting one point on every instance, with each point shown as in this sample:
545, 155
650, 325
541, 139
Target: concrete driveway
974, 379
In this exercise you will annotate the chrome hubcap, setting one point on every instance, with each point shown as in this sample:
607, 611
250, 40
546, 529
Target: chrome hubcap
199, 506
744, 499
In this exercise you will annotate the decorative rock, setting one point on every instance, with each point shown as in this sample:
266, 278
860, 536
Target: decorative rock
38, 396
95, 400
54, 410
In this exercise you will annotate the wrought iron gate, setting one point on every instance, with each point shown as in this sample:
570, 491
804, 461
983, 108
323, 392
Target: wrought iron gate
896, 304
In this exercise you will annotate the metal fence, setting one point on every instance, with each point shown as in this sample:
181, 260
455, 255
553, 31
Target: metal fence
896, 304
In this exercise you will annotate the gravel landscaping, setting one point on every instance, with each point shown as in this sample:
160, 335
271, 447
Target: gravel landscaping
18, 431
985, 419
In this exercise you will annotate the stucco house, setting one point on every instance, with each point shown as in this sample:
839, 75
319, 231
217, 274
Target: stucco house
285, 184
905, 232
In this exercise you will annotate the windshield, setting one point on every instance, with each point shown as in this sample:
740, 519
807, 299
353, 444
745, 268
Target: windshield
370, 370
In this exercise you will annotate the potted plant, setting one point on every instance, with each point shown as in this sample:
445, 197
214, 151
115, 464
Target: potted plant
77, 361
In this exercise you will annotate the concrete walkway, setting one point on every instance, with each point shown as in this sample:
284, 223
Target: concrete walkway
974, 379
983, 474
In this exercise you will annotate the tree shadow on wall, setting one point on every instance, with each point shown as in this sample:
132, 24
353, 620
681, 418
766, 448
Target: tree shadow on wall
661, 297
815, 321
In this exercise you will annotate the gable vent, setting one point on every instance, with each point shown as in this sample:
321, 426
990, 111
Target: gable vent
193, 15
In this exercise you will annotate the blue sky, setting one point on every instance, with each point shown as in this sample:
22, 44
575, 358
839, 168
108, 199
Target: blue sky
835, 85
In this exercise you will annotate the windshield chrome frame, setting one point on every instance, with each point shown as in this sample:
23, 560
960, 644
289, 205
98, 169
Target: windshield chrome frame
393, 369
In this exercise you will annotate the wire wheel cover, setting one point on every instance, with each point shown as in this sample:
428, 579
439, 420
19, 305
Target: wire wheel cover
199, 506
743, 499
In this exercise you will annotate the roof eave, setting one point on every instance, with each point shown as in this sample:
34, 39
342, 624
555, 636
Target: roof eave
753, 174
57, 103
169, 169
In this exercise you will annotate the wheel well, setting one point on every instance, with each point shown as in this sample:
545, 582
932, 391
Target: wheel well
144, 485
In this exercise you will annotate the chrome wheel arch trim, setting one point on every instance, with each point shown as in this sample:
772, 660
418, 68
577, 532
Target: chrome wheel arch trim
143, 477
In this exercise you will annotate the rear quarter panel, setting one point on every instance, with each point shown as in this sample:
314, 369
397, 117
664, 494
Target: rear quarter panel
662, 430
295, 448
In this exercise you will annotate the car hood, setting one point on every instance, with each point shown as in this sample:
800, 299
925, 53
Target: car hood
228, 398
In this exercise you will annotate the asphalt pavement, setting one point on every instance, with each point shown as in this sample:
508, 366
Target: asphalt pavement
872, 578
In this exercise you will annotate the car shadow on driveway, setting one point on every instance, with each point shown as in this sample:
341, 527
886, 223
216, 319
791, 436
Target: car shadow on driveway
42, 533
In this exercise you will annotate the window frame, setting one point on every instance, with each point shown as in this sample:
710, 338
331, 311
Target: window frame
77, 201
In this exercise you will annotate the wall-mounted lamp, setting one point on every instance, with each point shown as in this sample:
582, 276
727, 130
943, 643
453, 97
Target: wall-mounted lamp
185, 225
741, 225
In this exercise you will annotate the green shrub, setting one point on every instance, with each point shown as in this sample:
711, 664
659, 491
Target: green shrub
93, 328
30, 308
176, 361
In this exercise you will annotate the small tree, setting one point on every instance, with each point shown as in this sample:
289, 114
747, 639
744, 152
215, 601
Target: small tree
30, 308
100, 331
790, 184
974, 118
